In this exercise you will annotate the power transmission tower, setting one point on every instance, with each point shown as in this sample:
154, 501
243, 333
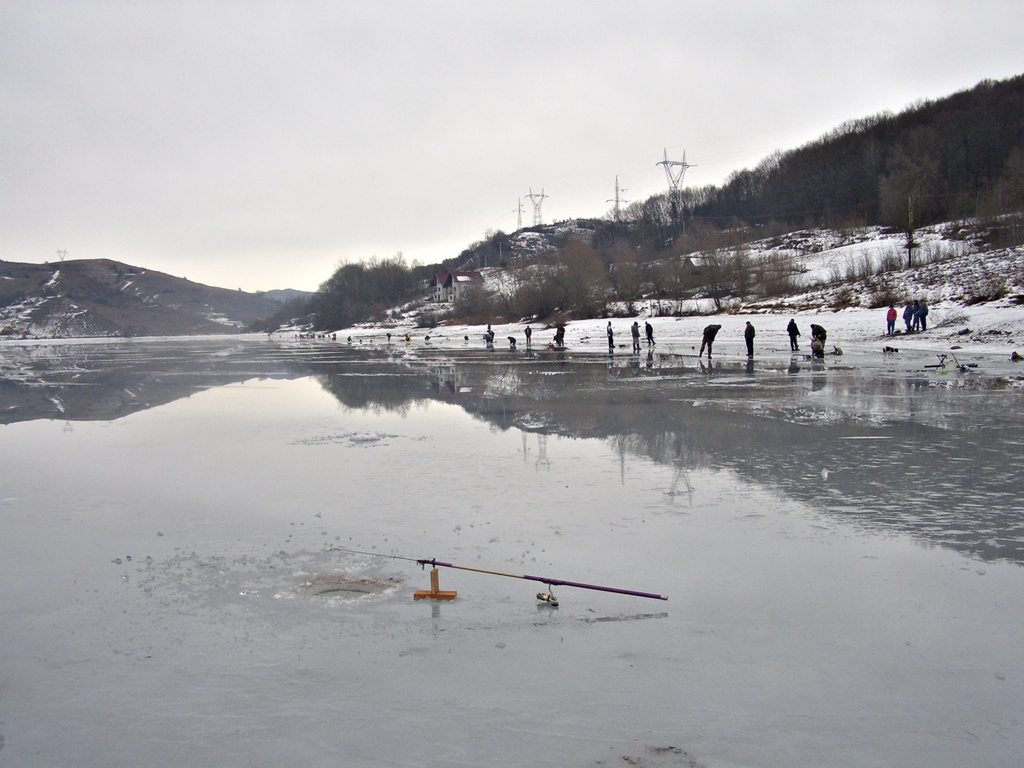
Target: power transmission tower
675, 170
537, 201
618, 200
62, 254
519, 210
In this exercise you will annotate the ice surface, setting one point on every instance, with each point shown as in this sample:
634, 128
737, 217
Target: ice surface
841, 546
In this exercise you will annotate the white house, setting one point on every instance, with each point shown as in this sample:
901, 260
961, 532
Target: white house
448, 285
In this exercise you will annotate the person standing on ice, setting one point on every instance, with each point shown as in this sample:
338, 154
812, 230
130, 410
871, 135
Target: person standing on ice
793, 332
560, 335
709, 338
908, 315
611, 337
528, 332
635, 331
922, 315
748, 336
650, 333
890, 320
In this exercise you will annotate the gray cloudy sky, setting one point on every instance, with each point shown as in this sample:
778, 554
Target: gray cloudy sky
260, 144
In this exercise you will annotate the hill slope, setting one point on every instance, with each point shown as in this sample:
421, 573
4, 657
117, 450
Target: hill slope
100, 297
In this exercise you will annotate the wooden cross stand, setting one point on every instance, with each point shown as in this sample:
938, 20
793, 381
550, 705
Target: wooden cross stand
435, 592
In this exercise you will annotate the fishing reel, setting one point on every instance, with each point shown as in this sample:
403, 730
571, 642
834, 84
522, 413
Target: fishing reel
548, 597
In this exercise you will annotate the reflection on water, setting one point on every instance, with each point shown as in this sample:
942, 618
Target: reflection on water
883, 449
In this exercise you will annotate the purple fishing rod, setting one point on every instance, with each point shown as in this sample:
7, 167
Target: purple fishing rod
545, 580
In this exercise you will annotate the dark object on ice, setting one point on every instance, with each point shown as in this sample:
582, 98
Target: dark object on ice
964, 332
1015, 357
889, 350
817, 332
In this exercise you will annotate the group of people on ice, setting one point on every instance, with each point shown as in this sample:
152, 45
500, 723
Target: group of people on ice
818, 336
634, 331
915, 317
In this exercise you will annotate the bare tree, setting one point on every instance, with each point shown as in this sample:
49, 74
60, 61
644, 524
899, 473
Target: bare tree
583, 278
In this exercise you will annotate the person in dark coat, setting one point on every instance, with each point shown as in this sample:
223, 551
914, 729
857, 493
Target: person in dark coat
650, 333
709, 338
922, 315
634, 330
611, 337
748, 336
793, 332
528, 332
915, 319
908, 316
818, 335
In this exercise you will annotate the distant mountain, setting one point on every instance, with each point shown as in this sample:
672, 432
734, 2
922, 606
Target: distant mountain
284, 295
100, 297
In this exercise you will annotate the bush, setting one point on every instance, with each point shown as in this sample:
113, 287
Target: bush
882, 293
989, 288
845, 298
953, 317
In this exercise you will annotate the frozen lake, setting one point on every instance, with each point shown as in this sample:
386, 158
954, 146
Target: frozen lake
841, 545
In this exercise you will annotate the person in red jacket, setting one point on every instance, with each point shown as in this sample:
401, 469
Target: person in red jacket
890, 320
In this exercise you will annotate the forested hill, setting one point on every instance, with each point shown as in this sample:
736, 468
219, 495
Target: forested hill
962, 155
957, 157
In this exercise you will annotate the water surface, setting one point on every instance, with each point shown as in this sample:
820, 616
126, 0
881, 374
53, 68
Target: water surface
841, 546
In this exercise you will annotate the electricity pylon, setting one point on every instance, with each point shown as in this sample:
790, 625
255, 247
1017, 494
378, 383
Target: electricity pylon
618, 200
675, 170
537, 201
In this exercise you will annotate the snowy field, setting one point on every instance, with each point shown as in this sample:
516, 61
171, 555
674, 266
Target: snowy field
841, 544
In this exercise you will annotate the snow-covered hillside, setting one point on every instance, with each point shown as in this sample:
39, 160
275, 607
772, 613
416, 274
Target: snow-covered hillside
836, 279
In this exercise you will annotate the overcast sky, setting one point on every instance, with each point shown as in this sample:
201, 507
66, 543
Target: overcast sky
260, 144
